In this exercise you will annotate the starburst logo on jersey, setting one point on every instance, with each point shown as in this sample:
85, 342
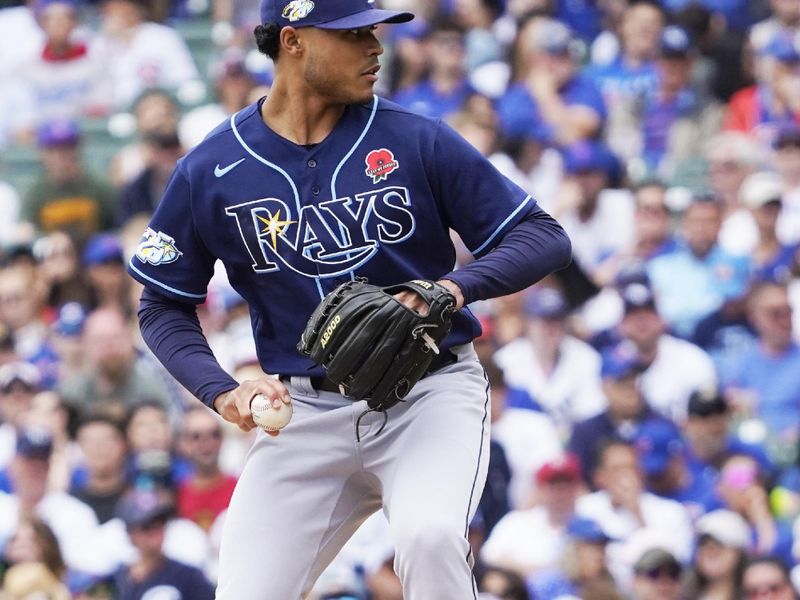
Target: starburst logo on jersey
274, 227
297, 9
380, 164
157, 248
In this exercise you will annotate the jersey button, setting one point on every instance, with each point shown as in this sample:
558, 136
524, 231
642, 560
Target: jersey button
312, 163
315, 190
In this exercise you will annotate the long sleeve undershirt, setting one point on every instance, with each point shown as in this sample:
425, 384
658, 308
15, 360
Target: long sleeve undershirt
532, 249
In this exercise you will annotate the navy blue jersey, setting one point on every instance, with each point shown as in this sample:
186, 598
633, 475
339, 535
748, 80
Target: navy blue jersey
375, 199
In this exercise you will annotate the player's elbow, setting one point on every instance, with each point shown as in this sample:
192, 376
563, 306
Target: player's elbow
561, 248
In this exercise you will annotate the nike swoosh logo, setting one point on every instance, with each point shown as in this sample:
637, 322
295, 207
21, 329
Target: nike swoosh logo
221, 172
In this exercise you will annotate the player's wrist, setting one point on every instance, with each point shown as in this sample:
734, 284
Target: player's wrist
454, 289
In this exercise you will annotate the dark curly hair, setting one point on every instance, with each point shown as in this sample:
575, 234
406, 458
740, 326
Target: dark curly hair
268, 39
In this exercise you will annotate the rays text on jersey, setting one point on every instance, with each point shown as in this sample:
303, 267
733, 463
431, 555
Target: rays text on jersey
327, 239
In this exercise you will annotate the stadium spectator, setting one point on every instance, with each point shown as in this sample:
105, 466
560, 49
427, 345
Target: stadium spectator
59, 270
145, 516
784, 20
65, 80
34, 542
61, 355
677, 115
204, 494
21, 301
559, 372
622, 506
710, 439
478, 18
67, 198
548, 91
657, 576
156, 111
762, 194
100, 479
627, 409
73, 522
104, 267
761, 380
232, 86
115, 372
582, 571
787, 164
141, 195
699, 276
767, 577
528, 438
623, 82
672, 368
723, 541
141, 54
502, 583
19, 383
33, 580
446, 87
598, 219
773, 101
530, 539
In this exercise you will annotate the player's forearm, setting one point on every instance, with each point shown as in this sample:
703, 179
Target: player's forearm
172, 331
534, 248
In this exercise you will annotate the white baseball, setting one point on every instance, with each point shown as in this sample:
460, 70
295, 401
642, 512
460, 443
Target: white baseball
267, 417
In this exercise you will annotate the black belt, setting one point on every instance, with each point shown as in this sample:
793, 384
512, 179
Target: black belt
323, 384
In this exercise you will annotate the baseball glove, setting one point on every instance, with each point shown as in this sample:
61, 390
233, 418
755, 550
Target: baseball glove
372, 345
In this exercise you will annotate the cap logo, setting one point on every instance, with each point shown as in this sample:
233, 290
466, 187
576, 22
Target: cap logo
380, 164
297, 9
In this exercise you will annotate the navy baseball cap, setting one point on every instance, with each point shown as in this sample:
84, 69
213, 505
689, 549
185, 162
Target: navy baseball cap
620, 362
34, 443
707, 403
638, 296
546, 303
70, 319
62, 132
103, 248
675, 42
587, 530
783, 49
586, 155
329, 14
142, 507
657, 442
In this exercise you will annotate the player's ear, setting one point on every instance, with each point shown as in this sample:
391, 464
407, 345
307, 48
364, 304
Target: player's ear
290, 41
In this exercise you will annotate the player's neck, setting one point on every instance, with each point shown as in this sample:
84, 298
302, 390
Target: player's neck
300, 118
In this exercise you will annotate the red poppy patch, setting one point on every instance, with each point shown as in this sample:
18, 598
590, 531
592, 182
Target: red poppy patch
380, 163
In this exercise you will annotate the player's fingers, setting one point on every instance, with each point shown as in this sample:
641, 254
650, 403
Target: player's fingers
274, 390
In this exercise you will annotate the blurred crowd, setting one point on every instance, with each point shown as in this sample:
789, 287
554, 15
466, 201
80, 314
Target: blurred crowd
645, 401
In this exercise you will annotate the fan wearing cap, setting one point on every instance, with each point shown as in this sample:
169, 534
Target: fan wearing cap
723, 544
64, 80
19, 383
145, 515
446, 88
73, 522
677, 116
774, 100
582, 570
672, 368
558, 371
762, 194
710, 439
530, 539
67, 198
103, 263
657, 575
549, 89
626, 409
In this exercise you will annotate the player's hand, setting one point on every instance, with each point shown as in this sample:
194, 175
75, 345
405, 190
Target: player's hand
234, 406
415, 302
